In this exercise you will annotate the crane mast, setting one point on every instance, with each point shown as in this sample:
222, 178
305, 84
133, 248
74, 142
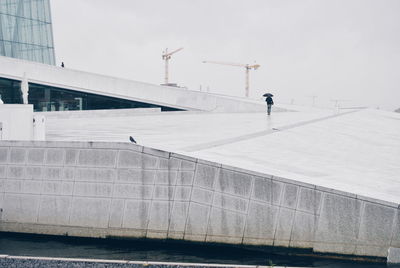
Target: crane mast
166, 56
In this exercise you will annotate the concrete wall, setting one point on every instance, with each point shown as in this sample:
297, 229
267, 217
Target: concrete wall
119, 189
17, 122
126, 89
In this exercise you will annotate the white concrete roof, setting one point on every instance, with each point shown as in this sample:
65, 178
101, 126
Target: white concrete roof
356, 151
123, 88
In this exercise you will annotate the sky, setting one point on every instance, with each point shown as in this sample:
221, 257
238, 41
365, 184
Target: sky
345, 50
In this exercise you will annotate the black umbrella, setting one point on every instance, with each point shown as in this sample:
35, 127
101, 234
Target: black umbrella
268, 95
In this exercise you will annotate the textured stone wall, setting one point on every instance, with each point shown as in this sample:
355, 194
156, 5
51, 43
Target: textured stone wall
120, 189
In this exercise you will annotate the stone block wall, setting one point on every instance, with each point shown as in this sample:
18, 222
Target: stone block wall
126, 190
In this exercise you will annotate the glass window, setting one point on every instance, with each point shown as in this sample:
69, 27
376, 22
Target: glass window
45, 98
25, 30
10, 91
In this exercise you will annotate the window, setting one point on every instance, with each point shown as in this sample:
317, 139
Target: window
10, 91
26, 30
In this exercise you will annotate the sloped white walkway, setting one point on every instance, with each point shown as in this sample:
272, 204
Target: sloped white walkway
356, 151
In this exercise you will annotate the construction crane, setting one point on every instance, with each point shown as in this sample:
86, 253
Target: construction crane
337, 102
313, 99
167, 56
248, 67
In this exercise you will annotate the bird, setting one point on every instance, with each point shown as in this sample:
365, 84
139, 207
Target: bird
132, 139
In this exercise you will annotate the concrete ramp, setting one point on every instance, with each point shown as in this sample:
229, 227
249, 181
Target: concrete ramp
94, 189
173, 97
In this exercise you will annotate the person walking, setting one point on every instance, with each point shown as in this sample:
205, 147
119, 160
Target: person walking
270, 102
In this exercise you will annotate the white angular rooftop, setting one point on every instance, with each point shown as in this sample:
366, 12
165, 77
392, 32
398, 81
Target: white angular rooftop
352, 150
76, 80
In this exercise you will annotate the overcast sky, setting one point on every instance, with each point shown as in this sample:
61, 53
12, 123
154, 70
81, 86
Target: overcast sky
336, 49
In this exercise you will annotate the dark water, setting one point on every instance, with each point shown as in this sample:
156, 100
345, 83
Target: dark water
140, 250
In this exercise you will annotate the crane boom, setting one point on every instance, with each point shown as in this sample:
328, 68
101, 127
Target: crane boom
254, 66
226, 63
166, 54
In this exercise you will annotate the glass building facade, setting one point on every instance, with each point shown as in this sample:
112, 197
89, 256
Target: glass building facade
10, 91
46, 98
26, 30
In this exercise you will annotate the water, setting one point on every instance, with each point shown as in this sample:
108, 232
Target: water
140, 250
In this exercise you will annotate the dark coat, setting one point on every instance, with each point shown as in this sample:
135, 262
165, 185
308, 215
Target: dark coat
269, 101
